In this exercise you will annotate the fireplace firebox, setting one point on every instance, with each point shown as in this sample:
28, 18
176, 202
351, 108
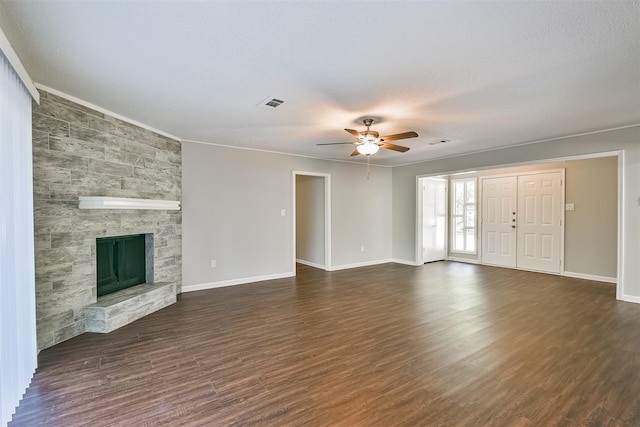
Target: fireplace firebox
123, 262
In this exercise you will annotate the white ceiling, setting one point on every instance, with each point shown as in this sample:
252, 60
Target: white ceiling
480, 74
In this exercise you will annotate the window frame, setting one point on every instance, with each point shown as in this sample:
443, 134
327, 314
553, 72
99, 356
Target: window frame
454, 216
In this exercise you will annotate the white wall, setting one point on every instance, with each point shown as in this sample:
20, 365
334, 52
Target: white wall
231, 201
627, 139
591, 236
310, 212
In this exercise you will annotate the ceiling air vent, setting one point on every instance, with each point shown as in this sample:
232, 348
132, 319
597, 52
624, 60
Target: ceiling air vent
270, 103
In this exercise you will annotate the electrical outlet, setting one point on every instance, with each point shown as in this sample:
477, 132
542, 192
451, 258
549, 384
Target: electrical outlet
361, 248
283, 212
214, 264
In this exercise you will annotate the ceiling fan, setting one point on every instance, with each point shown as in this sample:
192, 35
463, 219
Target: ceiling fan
369, 141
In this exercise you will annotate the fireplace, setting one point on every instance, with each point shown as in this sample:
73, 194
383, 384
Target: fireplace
123, 262
126, 288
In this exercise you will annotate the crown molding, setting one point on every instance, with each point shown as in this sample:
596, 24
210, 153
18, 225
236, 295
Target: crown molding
103, 110
15, 62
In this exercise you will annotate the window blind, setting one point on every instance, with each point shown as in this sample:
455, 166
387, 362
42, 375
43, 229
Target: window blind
18, 341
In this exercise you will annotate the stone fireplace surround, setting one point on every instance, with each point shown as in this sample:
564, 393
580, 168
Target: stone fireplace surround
78, 151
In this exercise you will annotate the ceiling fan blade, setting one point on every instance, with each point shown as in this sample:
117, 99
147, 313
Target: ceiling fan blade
336, 143
354, 133
395, 147
397, 136
355, 153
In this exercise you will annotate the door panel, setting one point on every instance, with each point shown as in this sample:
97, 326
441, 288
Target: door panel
529, 246
546, 246
498, 208
506, 245
434, 224
538, 225
547, 210
491, 241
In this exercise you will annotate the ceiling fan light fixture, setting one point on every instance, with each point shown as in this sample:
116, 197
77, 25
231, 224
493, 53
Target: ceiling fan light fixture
368, 149
368, 142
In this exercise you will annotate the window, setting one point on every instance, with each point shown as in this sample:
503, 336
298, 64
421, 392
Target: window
463, 215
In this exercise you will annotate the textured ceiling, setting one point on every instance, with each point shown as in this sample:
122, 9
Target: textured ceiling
480, 74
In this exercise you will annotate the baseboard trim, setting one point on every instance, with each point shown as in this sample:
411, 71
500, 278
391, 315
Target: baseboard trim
310, 264
630, 298
406, 262
590, 277
467, 260
360, 264
233, 282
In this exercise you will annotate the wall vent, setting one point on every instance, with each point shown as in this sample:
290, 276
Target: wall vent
270, 103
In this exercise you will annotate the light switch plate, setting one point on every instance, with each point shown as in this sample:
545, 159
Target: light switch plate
569, 207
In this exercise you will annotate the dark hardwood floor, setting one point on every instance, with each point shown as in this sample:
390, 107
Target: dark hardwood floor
445, 344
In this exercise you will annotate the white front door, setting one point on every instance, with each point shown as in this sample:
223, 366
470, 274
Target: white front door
539, 222
498, 221
434, 216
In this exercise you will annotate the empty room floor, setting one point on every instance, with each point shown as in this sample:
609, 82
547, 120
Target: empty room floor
444, 344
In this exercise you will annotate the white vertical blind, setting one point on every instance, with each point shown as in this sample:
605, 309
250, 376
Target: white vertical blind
18, 342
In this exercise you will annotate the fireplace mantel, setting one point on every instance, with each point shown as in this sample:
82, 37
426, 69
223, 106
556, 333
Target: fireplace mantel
100, 202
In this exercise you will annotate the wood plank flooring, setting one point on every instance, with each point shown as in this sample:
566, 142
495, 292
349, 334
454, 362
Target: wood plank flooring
445, 344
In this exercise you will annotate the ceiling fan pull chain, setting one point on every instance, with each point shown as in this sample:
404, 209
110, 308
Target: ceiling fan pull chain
368, 168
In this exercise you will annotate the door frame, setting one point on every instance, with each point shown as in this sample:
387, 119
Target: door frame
420, 216
327, 216
562, 214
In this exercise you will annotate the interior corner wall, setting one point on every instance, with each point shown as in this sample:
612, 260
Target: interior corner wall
626, 140
78, 151
310, 221
232, 200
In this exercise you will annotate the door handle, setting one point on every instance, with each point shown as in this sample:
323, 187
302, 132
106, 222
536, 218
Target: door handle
513, 226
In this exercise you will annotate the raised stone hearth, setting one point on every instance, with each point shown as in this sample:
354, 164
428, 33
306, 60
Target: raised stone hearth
121, 308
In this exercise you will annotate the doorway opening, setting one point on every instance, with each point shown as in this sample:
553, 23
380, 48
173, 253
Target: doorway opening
312, 219
432, 232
